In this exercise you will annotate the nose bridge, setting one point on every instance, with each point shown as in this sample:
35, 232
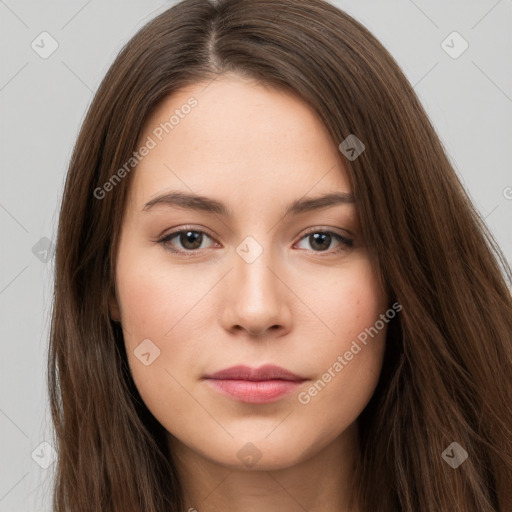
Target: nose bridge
252, 275
255, 299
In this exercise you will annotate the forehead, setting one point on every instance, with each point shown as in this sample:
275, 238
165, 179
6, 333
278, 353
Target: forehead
239, 139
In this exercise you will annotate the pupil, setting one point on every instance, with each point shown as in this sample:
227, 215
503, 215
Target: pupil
192, 237
323, 237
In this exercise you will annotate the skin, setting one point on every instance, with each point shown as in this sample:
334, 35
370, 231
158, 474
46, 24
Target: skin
297, 305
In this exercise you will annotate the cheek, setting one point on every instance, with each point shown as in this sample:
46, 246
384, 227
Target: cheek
348, 365
157, 310
349, 301
153, 296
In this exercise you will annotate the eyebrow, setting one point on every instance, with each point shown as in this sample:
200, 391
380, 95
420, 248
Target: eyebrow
206, 204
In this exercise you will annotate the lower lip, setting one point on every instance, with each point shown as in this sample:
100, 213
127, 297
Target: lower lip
255, 392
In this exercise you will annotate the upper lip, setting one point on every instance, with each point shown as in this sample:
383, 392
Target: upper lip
265, 372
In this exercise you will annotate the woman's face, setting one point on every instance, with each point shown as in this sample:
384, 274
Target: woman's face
263, 276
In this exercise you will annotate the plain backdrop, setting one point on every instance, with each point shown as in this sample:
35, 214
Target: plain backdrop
43, 101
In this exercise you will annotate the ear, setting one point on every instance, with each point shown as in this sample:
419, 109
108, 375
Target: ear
113, 306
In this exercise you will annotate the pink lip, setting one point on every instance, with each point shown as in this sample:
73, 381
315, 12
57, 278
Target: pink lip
261, 385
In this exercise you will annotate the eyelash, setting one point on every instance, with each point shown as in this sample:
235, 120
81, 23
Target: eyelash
345, 242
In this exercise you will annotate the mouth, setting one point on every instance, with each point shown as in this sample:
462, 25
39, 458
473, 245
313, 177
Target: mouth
266, 384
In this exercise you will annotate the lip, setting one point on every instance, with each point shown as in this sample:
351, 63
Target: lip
266, 384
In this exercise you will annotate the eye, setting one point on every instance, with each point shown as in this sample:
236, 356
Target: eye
191, 240
320, 241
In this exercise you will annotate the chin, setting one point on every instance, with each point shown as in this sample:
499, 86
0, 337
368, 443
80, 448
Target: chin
261, 456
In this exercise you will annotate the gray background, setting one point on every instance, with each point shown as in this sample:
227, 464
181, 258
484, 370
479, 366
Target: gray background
43, 102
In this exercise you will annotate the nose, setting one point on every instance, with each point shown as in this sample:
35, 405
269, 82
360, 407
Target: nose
256, 298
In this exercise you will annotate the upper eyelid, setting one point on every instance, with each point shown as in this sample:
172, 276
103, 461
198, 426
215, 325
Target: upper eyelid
181, 230
328, 230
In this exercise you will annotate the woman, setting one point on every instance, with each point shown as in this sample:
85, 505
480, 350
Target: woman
207, 353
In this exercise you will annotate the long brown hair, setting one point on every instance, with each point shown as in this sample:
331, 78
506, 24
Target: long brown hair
447, 374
